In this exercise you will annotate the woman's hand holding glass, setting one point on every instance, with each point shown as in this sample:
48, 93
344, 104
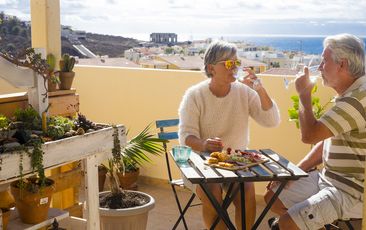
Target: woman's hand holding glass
250, 79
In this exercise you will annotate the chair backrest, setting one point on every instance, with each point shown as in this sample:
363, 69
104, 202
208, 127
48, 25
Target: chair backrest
171, 135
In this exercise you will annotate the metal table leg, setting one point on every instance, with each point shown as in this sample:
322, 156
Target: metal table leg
230, 195
242, 199
269, 205
220, 211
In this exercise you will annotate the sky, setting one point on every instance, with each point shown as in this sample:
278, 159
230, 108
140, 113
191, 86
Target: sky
195, 19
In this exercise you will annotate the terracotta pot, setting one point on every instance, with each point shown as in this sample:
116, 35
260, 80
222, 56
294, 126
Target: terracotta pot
126, 219
32, 207
6, 216
51, 86
129, 180
102, 172
6, 199
66, 79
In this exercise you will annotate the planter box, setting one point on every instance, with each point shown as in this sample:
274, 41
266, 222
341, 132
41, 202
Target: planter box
62, 152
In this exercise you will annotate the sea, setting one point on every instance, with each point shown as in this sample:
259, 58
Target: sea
308, 44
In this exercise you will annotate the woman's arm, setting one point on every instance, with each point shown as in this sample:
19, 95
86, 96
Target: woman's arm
208, 145
266, 102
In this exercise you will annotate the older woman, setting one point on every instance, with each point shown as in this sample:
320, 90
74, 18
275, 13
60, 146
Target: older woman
214, 114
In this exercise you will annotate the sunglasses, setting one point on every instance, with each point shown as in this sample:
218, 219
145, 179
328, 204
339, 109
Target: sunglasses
230, 63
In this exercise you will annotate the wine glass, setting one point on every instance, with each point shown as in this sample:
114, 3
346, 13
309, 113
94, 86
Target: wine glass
314, 74
241, 73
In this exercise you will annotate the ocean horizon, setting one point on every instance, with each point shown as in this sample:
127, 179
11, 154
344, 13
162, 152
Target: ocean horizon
309, 44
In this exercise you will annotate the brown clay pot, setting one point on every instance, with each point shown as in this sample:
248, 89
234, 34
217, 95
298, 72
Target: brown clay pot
102, 172
52, 86
6, 216
6, 199
66, 79
129, 180
32, 207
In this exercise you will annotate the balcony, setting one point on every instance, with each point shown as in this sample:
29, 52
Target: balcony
136, 97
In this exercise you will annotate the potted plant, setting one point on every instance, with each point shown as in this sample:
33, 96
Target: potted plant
128, 178
32, 195
66, 74
6, 203
125, 209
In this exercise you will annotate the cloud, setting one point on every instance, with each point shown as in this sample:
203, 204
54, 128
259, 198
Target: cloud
206, 16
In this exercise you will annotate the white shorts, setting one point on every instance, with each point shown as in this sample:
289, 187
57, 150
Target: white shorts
312, 202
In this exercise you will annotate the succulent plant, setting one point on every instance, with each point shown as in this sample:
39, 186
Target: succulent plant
83, 122
4, 122
29, 117
63, 122
67, 63
55, 132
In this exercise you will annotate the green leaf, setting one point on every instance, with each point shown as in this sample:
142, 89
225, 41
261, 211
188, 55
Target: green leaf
318, 108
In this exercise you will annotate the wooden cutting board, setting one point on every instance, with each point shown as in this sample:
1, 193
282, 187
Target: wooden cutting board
236, 167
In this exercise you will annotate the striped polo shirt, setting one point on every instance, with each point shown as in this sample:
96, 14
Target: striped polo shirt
344, 153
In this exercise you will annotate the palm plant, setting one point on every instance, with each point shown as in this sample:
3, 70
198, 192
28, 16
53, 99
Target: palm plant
135, 151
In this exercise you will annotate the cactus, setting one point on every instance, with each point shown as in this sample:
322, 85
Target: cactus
51, 61
67, 63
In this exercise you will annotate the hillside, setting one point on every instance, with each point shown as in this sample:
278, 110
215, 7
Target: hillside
114, 46
15, 36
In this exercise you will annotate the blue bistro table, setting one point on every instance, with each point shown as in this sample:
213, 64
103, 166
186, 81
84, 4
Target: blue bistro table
276, 169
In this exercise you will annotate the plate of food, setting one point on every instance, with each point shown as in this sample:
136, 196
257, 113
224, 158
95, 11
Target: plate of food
235, 160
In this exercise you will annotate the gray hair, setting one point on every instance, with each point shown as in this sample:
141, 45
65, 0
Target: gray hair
218, 51
349, 47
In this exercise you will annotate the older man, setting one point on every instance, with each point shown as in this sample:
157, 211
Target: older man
335, 192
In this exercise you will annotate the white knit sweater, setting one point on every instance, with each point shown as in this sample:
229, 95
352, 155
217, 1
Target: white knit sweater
204, 115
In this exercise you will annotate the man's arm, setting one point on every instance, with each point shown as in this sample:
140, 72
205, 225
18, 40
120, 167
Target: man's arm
313, 158
312, 130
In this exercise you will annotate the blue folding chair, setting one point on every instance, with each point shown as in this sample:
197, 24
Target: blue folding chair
162, 124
